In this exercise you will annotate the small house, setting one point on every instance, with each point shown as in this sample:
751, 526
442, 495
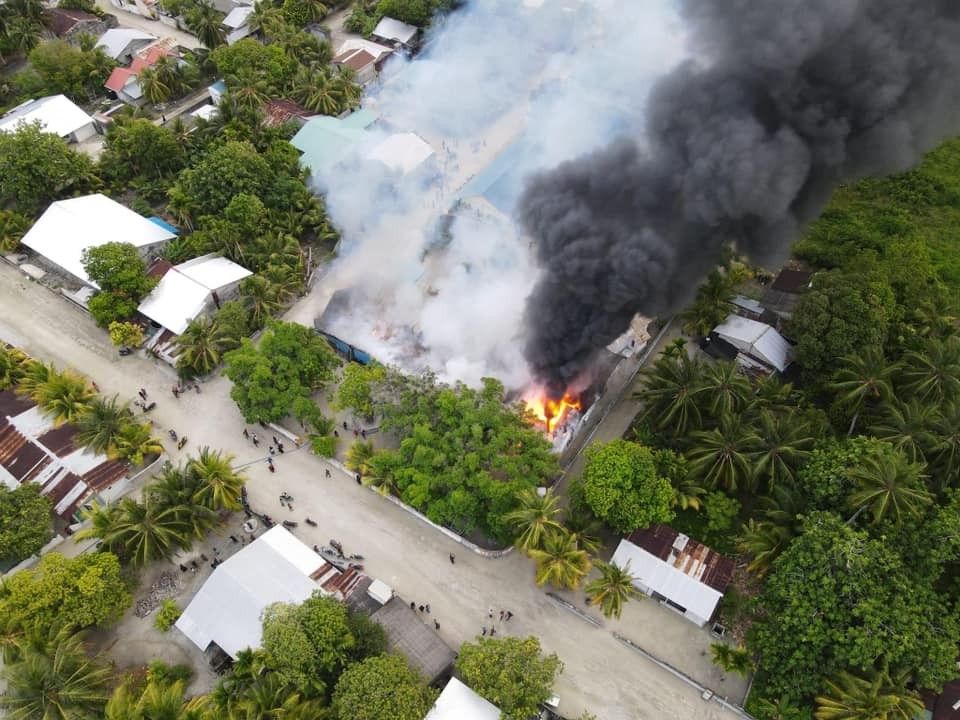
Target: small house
69, 24
56, 114
122, 44
756, 342
366, 59
236, 25
396, 34
419, 643
124, 82
144, 8
280, 111
683, 574
784, 292
460, 702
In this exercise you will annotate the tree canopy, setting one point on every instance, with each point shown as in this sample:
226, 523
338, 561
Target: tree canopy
382, 688
25, 524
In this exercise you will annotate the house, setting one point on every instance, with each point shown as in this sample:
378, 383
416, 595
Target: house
410, 636
35, 450
279, 111
187, 291
403, 153
68, 227
396, 34
334, 323
681, 573
56, 114
145, 8
68, 24
751, 309
459, 702
756, 341
276, 567
122, 44
236, 23
123, 80
364, 58
323, 141
784, 292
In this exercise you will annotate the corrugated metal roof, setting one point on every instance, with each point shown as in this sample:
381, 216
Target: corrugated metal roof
410, 636
56, 114
756, 339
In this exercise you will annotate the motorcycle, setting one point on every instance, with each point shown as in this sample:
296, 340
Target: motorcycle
147, 407
337, 546
355, 566
181, 443
289, 524
172, 434
311, 523
355, 557
125, 351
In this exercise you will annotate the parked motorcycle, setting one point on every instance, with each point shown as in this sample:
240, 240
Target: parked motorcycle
355, 557
289, 524
172, 434
311, 523
125, 351
147, 407
181, 443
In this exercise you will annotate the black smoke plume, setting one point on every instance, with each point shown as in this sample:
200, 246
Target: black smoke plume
743, 145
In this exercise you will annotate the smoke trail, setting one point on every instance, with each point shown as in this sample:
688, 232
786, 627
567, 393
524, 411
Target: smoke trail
743, 146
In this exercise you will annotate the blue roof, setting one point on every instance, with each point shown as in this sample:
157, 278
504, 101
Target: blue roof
219, 86
164, 224
501, 181
324, 140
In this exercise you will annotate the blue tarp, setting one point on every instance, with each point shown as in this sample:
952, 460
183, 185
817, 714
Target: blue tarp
164, 224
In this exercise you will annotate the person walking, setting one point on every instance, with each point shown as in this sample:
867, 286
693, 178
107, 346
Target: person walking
493, 631
363, 434
490, 614
421, 608
509, 615
453, 559
274, 438
344, 424
280, 448
246, 434
327, 472
436, 624
336, 433
484, 633
271, 450
502, 613
176, 391
427, 606
413, 605
359, 479
255, 440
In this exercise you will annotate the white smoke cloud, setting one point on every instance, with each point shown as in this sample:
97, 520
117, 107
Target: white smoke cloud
563, 77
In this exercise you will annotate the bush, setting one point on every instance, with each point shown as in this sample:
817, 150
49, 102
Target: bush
167, 615
323, 445
126, 334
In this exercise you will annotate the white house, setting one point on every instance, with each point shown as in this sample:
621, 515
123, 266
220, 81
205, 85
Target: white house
56, 114
459, 702
122, 44
68, 227
364, 57
681, 573
402, 152
756, 340
236, 23
391, 31
276, 567
191, 289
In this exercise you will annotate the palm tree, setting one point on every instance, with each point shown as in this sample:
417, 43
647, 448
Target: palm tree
669, 393
101, 423
316, 91
35, 376
55, 682
878, 696
710, 307
13, 225
764, 541
586, 530
888, 485
535, 518
266, 18
13, 364
785, 444
170, 72
726, 455
908, 427
134, 442
864, 379
380, 474
270, 698
157, 700
359, 456
220, 485
104, 520
783, 708
345, 83
22, 35
933, 375
723, 389
731, 659
201, 346
65, 396
145, 531
259, 298
945, 462
612, 589
687, 493
248, 89
559, 561
286, 282
316, 10
206, 23
154, 89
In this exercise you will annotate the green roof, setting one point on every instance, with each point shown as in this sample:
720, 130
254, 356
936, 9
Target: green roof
324, 140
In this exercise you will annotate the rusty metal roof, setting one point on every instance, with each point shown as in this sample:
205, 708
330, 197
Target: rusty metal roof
685, 554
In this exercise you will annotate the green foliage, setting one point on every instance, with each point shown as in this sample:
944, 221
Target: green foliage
879, 695
721, 512
24, 523
370, 637
40, 167
612, 589
71, 70
382, 688
167, 614
623, 488
107, 308
118, 268
125, 334
463, 456
837, 599
355, 391
535, 517
323, 445
510, 672
202, 345
13, 226
248, 56
560, 560
137, 148
291, 362
731, 659
824, 480
66, 593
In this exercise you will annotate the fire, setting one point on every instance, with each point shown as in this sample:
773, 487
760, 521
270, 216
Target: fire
548, 411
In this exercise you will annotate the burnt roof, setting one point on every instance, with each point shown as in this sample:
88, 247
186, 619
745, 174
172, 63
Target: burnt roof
12, 404
59, 440
410, 636
158, 268
694, 559
279, 111
61, 21
792, 281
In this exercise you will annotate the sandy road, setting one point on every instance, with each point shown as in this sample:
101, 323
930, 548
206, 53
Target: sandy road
601, 675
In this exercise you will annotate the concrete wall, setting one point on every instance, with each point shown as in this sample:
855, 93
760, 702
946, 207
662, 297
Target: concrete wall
84, 133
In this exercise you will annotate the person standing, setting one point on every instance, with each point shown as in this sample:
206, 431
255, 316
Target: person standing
436, 624
246, 433
453, 559
255, 439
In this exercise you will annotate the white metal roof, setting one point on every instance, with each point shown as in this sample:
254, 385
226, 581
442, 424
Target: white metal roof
55, 113
375, 49
392, 29
238, 16
672, 583
116, 40
459, 702
757, 339
175, 301
69, 227
402, 151
274, 568
213, 271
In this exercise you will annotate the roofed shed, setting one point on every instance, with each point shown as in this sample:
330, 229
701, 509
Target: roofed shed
410, 636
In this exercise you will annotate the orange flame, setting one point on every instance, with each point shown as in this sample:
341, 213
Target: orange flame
548, 411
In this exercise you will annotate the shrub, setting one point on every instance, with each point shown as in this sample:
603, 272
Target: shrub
167, 615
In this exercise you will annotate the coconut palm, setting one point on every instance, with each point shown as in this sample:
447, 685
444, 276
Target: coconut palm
710, 307
152, 84
945, 457
65, 396
35, 375
22, 35
731, 659
725, 456
380, 474
535, 517
266, 18
104, 520
763, 540
13, 364
345, 83
784, 445
270, 698
669, 393
220, 485
908, 427
687, 493
586, 530
148, 531
560, 561
101, 423
249, 89
864, 379
286, 282
889, 485
201, 346
259, 298
875, 697
272, 249
359, 456
204, 21
55, 682
933, 375
723, 389
612, 589
174, 486
134, 442
315, 89
781, 708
